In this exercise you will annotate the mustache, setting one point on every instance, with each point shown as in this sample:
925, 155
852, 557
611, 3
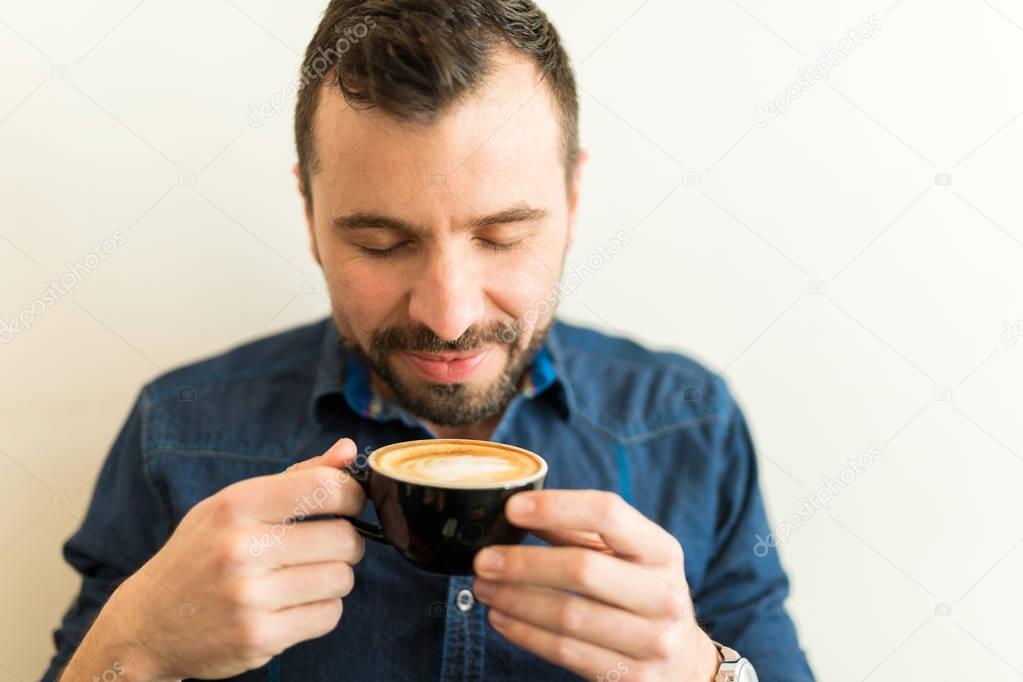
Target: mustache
421, 339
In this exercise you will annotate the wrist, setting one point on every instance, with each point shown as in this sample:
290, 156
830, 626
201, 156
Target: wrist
112, 649
707, 658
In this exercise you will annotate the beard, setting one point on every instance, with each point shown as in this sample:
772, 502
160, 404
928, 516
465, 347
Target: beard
457, 403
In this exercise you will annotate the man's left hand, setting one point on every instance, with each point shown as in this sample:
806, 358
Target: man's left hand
608, 599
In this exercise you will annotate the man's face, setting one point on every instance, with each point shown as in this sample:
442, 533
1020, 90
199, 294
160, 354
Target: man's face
442, 245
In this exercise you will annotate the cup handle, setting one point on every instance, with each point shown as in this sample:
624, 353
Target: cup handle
366, 530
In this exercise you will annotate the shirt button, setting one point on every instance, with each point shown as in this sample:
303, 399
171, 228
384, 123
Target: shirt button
464, 600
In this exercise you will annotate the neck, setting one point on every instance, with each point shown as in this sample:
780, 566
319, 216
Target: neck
481, 430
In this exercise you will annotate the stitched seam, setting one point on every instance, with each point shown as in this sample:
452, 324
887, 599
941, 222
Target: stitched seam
233, 376
632, 439
684, 424
482, 618
210, 454
301, 440
162, 503
670, 418
702, 379
213, 447
624, 472
444, 639
584, 351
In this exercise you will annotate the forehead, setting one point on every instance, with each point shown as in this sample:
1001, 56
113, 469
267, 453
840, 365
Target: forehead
500, 144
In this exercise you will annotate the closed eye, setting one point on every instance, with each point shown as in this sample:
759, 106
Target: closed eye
382, 253
498, 246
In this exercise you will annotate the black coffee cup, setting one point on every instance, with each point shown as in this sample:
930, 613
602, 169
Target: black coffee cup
440, 501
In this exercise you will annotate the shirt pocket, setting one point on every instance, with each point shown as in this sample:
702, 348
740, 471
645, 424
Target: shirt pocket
183, 478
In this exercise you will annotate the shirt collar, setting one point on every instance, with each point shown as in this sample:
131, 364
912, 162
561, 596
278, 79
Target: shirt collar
341, 375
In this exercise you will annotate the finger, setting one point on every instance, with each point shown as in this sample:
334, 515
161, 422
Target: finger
297, 494
308, 542
633, 587
619, 524
297, 585
299, 623
574, 538
582, 658
339, 455
577, 617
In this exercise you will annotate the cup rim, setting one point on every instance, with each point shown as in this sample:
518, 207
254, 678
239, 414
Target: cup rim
525, 480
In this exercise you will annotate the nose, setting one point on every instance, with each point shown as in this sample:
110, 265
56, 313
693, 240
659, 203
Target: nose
448, 294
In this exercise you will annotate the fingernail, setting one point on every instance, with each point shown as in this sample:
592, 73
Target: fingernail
498, 619
491, 560
521, 505
484, 589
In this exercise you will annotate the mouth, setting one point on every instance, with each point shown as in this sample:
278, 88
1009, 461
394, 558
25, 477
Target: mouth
446, 367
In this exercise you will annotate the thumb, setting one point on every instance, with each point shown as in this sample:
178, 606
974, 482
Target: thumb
341, 454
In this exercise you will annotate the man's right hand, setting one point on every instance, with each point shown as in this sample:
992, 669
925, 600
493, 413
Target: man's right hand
238, 582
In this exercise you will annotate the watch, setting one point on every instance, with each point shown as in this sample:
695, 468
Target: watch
734, 668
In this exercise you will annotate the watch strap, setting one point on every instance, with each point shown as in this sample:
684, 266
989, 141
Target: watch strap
731, 662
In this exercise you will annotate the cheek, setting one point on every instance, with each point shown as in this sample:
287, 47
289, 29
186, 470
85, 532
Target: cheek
526, 289
361, 296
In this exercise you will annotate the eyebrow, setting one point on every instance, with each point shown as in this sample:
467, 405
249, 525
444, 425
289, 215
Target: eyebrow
361, 220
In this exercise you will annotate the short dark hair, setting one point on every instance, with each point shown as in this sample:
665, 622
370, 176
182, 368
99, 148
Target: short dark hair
416, 58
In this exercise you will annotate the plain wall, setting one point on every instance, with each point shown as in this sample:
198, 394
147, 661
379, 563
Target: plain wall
852, 267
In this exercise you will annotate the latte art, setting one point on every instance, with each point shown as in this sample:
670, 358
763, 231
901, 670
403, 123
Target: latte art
445, 464
464, 468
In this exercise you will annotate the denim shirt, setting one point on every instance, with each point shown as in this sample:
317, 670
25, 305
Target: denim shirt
605, 413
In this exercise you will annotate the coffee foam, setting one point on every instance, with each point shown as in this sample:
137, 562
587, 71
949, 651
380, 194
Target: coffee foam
443, 463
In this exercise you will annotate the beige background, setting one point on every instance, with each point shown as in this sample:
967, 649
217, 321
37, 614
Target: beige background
852, 267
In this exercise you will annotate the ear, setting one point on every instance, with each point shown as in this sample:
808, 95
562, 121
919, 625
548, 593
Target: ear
307, 203
573, 196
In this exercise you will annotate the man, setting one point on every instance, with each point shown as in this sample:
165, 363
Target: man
439, 164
